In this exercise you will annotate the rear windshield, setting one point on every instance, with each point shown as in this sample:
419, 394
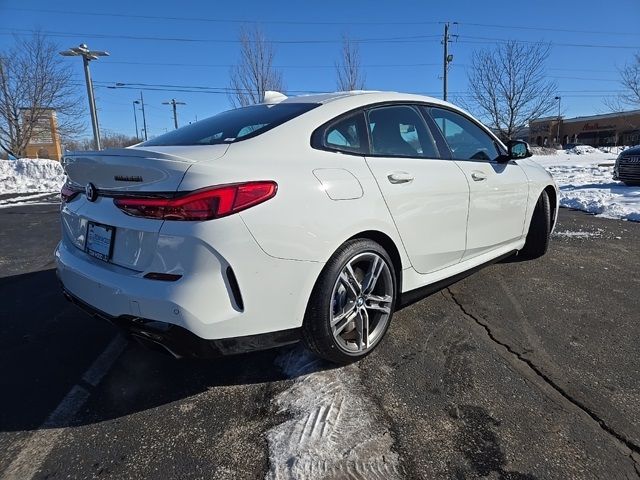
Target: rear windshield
233, 125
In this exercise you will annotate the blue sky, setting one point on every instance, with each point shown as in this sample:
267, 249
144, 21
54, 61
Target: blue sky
199, 39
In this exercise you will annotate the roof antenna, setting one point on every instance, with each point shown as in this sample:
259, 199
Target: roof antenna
272, 97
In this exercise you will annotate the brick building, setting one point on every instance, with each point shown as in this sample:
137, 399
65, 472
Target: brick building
597, 130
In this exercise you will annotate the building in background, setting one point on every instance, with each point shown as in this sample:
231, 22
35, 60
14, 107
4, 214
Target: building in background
45, 141
607, 130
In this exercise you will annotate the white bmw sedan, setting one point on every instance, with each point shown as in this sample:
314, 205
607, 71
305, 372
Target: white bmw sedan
308, 218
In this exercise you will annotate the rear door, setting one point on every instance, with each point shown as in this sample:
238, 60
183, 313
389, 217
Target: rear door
427, 195
498, 190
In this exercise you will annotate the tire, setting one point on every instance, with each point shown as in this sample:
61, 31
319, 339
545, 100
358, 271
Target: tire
346, 316
537, 241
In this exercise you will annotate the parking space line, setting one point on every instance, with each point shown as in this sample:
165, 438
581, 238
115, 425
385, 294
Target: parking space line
34, 453
101, 365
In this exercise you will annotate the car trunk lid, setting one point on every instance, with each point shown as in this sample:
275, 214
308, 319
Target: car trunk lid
117, 172
138, 169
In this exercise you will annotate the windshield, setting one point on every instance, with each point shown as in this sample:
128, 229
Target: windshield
232, 125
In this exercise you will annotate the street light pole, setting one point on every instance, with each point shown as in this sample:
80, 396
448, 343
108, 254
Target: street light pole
558, 121
173, 103
135, 118
87, 56
92, 104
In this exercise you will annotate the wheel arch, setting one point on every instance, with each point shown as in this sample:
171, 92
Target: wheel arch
553, 201
390, 247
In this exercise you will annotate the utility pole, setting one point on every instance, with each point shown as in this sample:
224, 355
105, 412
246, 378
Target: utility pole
447, 59
173, 103
135, 118
144, 117
558, 121
87, 56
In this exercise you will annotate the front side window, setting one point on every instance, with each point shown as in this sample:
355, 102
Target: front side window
466, 140
399, 130
232, 125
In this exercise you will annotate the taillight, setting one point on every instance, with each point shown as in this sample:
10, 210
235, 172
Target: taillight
203, 204
67, 193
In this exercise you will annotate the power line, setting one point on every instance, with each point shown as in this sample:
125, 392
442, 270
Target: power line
302, 67
222, 20
378, 65
403, 22
473, 39
390, 40
226, 90
52, 33
547, 29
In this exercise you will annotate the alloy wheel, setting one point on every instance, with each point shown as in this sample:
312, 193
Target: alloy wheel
361, 303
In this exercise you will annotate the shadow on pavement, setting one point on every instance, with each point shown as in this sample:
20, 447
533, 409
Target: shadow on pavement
46, 345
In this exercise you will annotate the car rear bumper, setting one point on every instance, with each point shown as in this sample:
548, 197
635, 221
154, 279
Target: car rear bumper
235, 290
180, 342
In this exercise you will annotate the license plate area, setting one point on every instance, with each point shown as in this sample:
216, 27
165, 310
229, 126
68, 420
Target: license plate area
99, 242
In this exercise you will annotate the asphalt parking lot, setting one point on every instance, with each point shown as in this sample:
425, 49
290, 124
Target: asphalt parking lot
525, 370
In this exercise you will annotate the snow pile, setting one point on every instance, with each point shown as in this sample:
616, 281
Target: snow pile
613, 150
581, 150
28, 175
586, 183
334, 430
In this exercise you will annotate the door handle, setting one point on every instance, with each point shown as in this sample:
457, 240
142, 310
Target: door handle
478, 176
400, 177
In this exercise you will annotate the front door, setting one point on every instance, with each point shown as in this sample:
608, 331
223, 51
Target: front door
498, 190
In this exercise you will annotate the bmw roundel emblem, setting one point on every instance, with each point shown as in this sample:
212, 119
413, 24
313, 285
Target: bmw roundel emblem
90, 192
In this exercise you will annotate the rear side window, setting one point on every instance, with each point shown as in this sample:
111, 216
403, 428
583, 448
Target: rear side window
233, 125
347, 134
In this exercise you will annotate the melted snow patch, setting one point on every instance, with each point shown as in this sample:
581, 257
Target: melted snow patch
334, 431
30, 199
578, 234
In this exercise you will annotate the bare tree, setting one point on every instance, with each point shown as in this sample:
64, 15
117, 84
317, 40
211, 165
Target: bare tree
508, 86
107, 139
630, 83
33, 81
348, 70
254, 74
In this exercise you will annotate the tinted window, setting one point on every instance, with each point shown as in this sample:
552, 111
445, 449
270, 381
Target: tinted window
346, 134
233, 125
466, 140
400, 131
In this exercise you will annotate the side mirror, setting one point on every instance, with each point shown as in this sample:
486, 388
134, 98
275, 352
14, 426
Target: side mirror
518, 149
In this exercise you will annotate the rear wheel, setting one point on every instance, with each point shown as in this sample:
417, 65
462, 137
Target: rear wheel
537, 241
352, 303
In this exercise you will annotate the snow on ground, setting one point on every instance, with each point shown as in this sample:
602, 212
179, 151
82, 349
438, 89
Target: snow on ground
14, 200
29, 175
333, 430
585, 179
577, 234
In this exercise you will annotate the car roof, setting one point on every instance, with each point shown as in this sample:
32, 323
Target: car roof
366, 97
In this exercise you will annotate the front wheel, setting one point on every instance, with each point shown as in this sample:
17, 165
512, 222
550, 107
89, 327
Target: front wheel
352, 303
